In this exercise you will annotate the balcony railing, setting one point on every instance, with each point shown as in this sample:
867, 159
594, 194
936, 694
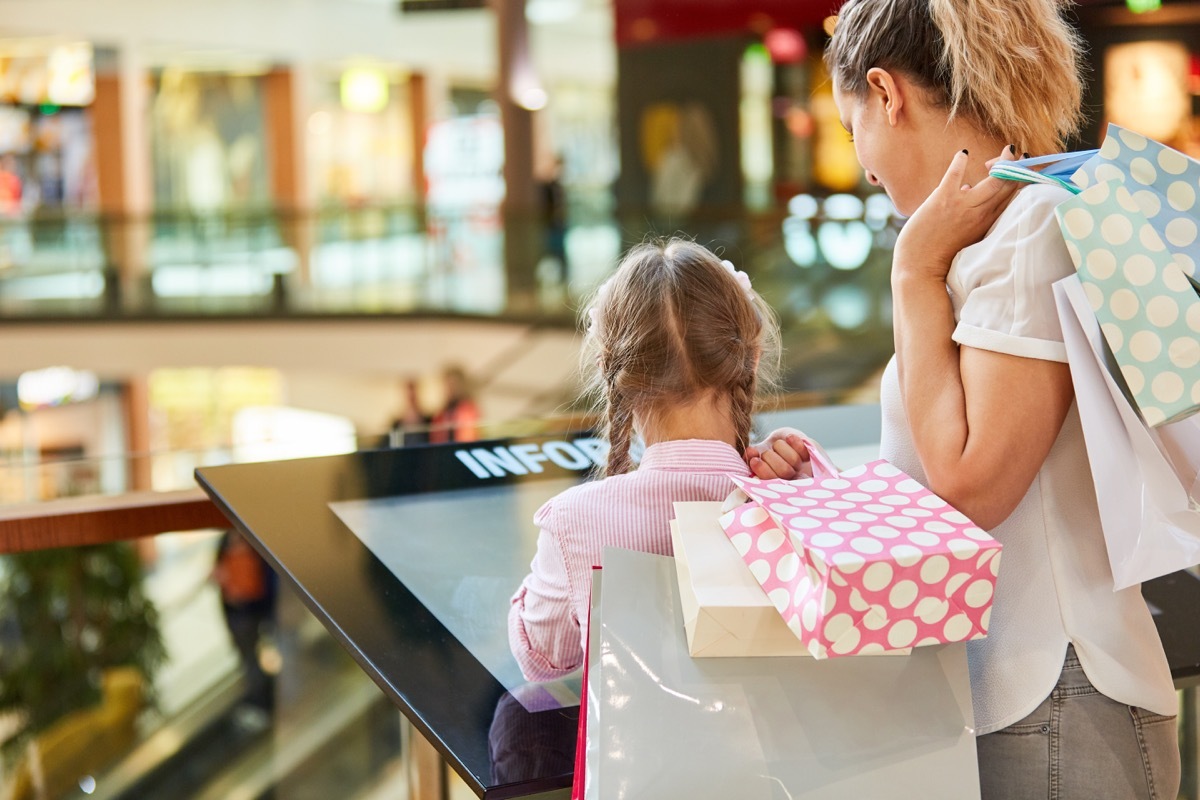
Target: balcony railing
370, 259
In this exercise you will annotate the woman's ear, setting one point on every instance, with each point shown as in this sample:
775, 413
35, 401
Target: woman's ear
885, 90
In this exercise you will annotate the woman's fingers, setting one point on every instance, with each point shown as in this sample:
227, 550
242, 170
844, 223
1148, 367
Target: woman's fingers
1009, 153
955, 176
991, 191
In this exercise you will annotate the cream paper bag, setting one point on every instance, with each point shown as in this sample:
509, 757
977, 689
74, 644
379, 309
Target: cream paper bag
726, 613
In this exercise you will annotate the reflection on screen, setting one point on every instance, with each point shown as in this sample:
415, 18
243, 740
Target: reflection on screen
463, 554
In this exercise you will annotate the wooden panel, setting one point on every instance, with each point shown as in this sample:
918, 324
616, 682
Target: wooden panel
98, 520
106, 127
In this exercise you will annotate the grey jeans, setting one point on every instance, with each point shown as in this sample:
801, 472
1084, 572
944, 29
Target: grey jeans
1080, 745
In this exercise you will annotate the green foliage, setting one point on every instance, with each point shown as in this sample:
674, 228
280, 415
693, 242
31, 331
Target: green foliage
66, 615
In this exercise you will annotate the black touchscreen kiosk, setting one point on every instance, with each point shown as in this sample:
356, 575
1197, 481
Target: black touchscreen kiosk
409, 557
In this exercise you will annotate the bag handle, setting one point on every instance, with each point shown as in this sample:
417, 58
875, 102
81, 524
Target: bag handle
822, 464
1056, 169
1059, 165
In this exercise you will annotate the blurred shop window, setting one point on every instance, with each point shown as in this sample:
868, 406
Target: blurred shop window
464, 162
47, 163
273, 433
835, 164
754, 110
59, 430
576, 160
1153, 87
208, 141
359, 139
192, 416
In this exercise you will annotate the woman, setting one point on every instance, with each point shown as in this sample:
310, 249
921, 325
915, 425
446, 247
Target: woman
1071, 689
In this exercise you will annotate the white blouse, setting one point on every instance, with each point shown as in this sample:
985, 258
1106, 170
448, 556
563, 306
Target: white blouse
1055, 586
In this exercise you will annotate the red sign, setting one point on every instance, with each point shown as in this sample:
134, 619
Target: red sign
645, 21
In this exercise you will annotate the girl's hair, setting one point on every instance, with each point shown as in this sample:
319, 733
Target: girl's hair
671, 327
1010, 66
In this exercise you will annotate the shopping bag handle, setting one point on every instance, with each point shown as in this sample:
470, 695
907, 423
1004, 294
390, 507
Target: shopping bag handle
822, 464
1059, 165
1055, 169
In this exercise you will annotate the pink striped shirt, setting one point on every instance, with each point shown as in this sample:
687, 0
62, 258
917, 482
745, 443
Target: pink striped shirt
547, 620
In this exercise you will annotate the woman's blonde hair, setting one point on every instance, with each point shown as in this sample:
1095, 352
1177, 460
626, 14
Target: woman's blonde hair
671, 327
1010, 66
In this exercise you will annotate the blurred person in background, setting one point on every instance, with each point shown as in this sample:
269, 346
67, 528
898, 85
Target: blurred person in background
248, 591
458, 421
411, 427
10, 186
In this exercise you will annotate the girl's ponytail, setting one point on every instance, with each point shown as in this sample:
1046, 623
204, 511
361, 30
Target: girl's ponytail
1013, 67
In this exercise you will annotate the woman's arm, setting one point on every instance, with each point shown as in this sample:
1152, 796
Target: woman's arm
543, 631
982, 422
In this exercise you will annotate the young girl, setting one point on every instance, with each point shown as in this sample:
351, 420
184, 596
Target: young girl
1073, 697
677, 346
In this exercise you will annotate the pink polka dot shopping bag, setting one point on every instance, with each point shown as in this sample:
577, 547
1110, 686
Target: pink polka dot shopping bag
866, 560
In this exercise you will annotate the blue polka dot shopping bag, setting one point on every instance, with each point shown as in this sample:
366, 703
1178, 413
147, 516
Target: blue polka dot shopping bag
1132, 231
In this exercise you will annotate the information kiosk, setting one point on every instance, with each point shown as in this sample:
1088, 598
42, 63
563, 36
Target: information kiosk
409, 557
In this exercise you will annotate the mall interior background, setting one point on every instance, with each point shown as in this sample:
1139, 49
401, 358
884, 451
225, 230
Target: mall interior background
246, 229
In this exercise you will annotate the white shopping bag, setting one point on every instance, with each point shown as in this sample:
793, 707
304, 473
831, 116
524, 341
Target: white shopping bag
1147, 480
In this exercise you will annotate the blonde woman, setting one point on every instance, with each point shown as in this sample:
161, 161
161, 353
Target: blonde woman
1073, 697
678, 344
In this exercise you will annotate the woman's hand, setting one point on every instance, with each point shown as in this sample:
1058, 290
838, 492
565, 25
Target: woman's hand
783, 454
955, 216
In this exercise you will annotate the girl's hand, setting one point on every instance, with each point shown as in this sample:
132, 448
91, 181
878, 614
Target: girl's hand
782, 455
955, 216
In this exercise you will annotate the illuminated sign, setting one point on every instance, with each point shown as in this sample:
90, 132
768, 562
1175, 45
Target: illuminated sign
55, 386
364, 89
60, 76
524, 459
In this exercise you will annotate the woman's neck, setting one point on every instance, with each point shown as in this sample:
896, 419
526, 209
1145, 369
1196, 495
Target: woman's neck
706, 419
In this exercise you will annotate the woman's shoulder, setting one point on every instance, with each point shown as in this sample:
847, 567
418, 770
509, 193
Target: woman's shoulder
1026, 234
1040, 196
1031, 209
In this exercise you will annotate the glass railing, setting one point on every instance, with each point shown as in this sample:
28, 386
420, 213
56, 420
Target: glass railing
405, 258
821, 262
